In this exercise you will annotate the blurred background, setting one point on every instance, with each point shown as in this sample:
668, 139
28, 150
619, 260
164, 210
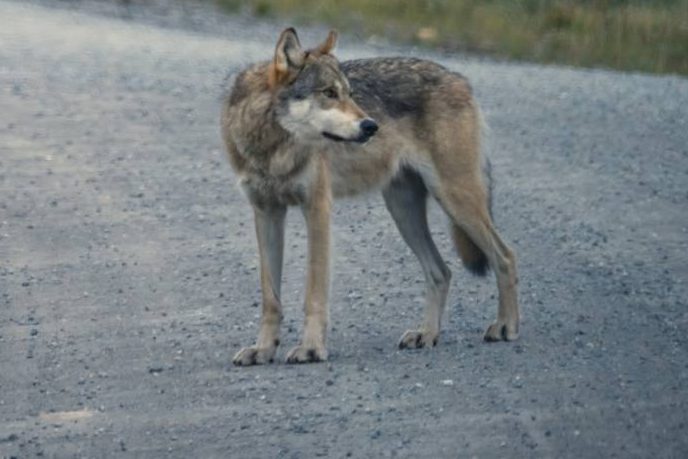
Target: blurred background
642, 35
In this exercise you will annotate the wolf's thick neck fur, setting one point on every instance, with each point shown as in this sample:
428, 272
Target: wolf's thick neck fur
264, 145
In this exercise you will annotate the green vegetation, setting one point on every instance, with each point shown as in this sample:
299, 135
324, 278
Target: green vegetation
644, 35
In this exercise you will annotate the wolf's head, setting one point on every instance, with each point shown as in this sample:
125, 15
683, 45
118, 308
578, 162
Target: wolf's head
313, 95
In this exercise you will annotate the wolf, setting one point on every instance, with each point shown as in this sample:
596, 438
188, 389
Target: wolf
303, 128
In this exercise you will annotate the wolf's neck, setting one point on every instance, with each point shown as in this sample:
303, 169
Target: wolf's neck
261, 134
264, 143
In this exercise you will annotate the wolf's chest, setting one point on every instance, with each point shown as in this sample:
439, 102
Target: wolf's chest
363, 171
267, 190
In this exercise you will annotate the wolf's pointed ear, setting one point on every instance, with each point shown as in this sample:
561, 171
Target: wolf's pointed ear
328, 45
288, 55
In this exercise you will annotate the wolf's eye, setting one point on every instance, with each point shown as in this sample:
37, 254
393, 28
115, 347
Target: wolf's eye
330, 93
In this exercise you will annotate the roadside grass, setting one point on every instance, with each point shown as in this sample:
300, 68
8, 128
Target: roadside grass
642, 35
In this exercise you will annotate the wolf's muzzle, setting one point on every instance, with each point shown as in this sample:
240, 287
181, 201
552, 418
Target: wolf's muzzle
367, 127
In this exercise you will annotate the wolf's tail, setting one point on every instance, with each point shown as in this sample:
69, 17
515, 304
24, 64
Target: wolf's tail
472, 257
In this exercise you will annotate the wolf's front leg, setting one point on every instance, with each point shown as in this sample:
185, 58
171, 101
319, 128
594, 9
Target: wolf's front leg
317, 213
270, 233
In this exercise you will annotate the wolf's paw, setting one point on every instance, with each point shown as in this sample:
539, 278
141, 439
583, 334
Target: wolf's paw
254, 355
307, 354
414, 339
501, 331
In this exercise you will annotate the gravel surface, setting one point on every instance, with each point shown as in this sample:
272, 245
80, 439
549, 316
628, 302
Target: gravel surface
128, 269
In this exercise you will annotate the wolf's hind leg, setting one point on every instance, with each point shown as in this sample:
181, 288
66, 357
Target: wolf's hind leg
467, 207
462, 188
270, 235
406, 200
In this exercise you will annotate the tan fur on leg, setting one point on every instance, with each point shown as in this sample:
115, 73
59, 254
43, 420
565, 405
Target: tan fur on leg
317, 213
270, 235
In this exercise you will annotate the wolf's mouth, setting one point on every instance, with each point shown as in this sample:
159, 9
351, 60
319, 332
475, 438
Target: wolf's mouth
334, 137
360, 139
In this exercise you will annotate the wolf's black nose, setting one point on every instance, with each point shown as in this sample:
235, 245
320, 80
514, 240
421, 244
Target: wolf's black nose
369, 127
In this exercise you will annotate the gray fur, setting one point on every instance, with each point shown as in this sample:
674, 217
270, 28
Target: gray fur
394, 86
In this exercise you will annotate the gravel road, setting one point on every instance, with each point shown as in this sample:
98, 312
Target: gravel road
128, 269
